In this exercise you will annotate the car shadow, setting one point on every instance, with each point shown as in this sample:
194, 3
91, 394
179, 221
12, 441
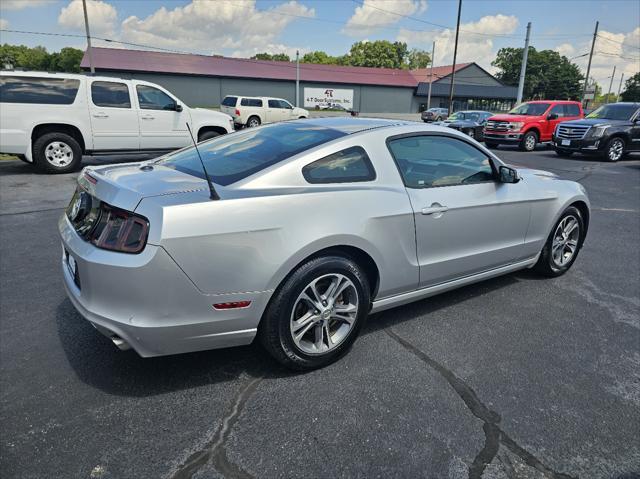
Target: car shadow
100, 365
419, 309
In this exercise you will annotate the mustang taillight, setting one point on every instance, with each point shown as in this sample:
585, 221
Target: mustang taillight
119, 230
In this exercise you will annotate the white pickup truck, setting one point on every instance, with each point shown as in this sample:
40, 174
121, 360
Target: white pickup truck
52, 119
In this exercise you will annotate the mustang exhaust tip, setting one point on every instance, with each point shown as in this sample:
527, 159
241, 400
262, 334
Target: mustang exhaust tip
120, 343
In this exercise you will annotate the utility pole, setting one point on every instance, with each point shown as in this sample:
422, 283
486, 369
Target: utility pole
455, 54
611, 83
433, 56
593, 44
297, 77
620, 87
86, 26
523, 68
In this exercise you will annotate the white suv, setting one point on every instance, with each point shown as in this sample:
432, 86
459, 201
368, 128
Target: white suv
52, 119
253, 111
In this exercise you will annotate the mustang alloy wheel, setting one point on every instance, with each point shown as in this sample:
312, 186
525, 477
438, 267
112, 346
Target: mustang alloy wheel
324, 313
315, 315
563, 244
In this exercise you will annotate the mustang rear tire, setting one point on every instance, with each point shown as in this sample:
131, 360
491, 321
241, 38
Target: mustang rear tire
315, 315
563, 244
56, 153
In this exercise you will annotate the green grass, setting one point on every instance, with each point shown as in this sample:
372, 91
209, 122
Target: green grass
7, 157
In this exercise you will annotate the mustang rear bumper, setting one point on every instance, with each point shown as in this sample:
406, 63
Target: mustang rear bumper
146, 302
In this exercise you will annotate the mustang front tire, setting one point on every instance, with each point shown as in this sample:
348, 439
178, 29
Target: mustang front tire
563, 244
315, 315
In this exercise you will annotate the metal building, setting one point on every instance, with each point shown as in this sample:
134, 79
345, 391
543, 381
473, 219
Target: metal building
203, 81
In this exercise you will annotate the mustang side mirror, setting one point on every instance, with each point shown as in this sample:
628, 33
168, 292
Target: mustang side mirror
552, 116
508, 175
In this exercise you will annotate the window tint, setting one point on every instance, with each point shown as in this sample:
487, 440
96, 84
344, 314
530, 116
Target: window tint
572, 110
558, 110
50, 91
251, 102
530, 109
345, 166
230, 100
231, 158
111, 94
426, 161
285, 104
153, 99
274, 103
615, 111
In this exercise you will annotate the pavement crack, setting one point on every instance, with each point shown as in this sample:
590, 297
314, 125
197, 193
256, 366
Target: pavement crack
494, 435
215, 450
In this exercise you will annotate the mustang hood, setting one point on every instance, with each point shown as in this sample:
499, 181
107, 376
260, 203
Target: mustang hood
125, 185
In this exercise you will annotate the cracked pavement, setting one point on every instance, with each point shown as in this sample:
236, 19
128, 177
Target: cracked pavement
515, 377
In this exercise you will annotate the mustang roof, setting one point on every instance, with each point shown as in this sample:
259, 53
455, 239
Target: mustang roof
353, 125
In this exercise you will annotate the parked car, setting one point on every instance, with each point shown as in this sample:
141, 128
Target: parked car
434, 114
470, 122
52, 119
254, 111
610, 131
530, 123
306, 228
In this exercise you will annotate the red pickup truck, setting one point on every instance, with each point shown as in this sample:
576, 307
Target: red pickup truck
530, 123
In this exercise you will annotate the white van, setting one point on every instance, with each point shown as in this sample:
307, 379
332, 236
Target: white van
253, 111
52, 119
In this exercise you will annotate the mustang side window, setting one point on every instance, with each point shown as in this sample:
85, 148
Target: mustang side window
345, 166
431, 161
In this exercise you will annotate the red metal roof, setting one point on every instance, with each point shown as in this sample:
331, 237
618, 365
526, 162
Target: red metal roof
116, 59
423, 74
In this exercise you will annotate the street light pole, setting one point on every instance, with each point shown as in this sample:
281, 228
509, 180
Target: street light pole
433, 53
86, 26
297, 77
455, 54
523, 67
586, 80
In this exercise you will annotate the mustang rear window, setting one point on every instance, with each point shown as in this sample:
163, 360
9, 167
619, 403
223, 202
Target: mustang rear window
231, 158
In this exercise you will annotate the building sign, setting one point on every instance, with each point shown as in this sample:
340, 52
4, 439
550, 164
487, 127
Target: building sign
323, 98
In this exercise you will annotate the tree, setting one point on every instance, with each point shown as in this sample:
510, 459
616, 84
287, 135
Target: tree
549, 76
418, 59
37, 58
320, 57
277, 57
631, 89
379, 54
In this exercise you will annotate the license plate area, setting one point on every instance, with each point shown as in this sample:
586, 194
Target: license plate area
566, 142
72, 267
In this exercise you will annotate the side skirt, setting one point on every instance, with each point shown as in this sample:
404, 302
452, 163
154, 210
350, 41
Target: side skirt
404, 298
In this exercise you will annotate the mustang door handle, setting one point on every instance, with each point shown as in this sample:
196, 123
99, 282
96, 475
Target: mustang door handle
434, 208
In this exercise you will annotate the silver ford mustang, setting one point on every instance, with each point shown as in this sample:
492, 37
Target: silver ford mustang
305, 228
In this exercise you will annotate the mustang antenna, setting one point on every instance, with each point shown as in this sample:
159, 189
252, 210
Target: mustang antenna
213, 195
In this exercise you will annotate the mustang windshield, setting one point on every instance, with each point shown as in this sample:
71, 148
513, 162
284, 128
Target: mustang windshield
530, 109
233, 157
614, 112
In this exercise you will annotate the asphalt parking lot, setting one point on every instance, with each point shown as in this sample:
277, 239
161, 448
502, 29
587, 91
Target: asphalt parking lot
538, 378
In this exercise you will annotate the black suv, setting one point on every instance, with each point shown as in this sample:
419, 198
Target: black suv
610, 131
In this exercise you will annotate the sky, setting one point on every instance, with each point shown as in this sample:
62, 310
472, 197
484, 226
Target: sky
242, 28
